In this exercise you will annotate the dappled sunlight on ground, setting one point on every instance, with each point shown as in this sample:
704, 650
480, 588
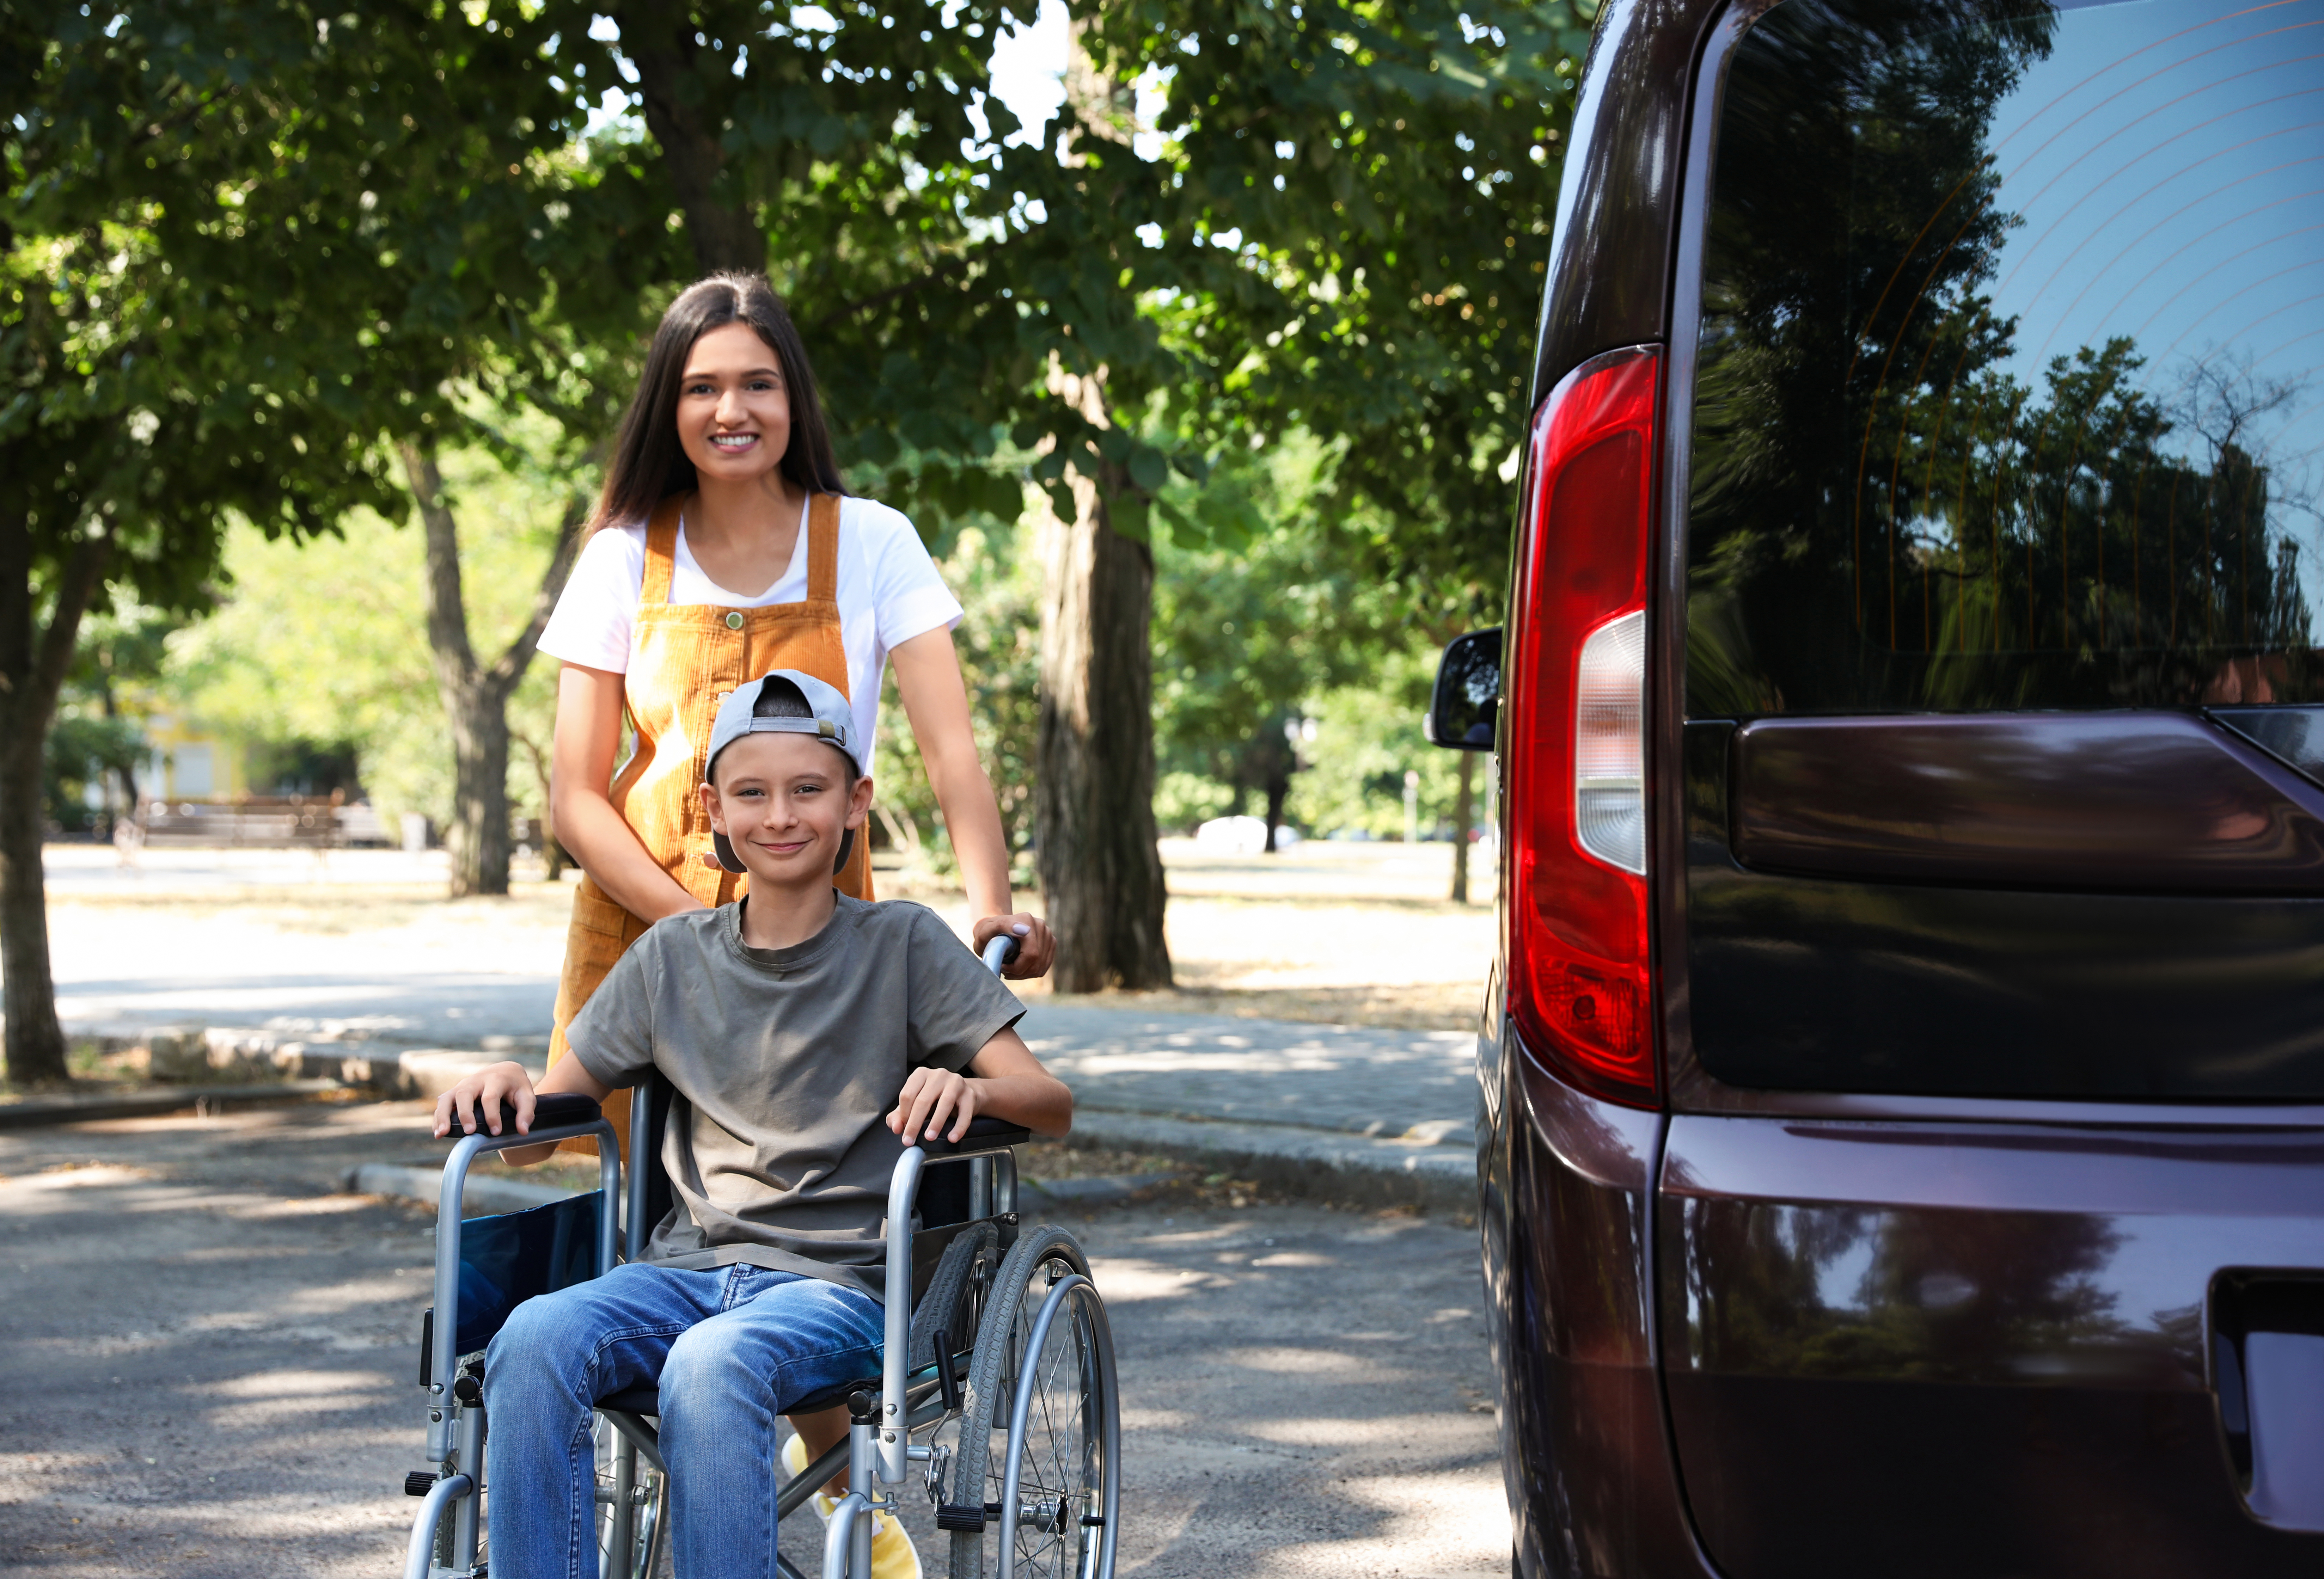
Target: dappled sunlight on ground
1286, 1371
208, 1359
1458, 1521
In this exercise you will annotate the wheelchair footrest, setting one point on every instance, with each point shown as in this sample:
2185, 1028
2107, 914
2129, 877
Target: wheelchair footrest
966, 1516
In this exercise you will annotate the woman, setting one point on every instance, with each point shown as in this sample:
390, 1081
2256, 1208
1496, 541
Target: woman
723, 481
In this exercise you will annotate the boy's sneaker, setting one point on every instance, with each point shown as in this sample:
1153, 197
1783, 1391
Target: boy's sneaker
893, 1555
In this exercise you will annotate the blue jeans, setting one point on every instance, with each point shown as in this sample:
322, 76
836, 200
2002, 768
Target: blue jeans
732, 1346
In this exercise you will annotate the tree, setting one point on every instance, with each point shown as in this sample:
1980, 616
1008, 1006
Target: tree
97, 746
505, 262
249, 251
1248, 633
476, 695
248, 672
149, 398
1100, 861
1386, 181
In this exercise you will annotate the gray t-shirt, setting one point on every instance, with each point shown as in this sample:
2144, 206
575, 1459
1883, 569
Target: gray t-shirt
786, 1062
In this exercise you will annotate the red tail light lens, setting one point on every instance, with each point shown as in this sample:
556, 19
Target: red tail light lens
1579, 972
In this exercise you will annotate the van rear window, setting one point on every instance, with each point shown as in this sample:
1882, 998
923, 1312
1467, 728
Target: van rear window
2011, 383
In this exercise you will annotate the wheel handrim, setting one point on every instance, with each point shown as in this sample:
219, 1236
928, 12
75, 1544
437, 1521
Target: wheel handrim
1059, 1493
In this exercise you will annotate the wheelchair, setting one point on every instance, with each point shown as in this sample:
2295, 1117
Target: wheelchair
997, 1379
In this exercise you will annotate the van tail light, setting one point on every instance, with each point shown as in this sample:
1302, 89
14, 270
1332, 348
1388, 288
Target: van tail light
1579, 971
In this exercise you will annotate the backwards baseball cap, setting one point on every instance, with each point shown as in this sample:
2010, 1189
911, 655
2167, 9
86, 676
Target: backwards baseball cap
784, 702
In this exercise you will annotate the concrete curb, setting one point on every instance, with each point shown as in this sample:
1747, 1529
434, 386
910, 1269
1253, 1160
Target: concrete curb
479, 1192
1327, 1164
194, 1054
50, 1110
1105, 1191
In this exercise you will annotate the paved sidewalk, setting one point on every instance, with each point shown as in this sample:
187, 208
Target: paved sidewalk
1334, 1096
207, 1361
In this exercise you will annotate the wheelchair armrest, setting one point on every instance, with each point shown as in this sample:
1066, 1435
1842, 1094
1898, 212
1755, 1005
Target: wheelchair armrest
551, 1110
558, 1109
984, 1136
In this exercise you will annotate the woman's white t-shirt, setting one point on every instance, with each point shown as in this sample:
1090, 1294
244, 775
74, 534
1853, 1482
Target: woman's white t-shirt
889, 591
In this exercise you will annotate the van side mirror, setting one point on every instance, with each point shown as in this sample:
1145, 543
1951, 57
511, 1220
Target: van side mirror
1467, 699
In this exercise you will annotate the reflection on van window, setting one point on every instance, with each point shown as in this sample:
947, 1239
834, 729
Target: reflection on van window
2011, 378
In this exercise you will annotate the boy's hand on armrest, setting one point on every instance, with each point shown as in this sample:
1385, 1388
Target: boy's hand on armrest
932, 1099
1005, 1079
475, 1102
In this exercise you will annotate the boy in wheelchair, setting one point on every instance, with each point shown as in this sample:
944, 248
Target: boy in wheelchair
807, 1034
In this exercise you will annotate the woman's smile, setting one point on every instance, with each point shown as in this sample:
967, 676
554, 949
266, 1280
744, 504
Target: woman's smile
732, 443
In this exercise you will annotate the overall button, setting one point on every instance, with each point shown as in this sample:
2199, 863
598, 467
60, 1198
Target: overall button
734, 621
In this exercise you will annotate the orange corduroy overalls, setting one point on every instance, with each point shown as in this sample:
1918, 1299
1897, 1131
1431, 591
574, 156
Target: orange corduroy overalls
684, 660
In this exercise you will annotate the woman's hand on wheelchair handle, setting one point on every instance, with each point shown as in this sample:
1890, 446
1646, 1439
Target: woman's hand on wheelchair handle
475, 1102
928, 1100
1037, 945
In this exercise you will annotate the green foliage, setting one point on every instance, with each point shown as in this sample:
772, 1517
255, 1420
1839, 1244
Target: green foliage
1384, 182
85, 748
999, 643
1367, 738
245, 242
327, 644
935, 273
1244, 637
99, 740
249, 243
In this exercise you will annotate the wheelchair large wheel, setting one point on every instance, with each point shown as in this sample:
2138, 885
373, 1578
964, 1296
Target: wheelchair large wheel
1040, 1431
628, 1548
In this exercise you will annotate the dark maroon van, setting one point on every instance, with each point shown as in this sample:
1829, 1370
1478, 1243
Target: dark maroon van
1902, 1074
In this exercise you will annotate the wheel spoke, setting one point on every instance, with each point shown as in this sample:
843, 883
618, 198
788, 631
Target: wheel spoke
1064, 1471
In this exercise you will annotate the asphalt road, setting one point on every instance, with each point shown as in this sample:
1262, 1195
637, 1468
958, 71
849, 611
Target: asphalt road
207, 1357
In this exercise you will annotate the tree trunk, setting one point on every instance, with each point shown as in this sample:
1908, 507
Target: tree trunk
1101, 870
32, 663
36, 1039
659, 42
1463, 813
475, 699
478, 838
1278, 790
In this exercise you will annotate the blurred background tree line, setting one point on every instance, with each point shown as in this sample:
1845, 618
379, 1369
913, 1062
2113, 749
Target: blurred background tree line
1206, 391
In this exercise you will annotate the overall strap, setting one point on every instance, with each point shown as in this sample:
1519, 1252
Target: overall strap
661, 552
822, 548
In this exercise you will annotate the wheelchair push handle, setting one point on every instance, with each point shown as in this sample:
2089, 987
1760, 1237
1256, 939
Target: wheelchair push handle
551, 1110
1000, 950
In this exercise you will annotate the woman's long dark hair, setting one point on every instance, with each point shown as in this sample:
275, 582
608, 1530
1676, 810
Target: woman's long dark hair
649, 464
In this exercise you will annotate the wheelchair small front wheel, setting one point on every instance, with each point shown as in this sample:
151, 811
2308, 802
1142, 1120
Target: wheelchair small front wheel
1042, 1392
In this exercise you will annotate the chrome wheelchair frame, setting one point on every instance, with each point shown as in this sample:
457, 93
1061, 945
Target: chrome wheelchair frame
1061, 1530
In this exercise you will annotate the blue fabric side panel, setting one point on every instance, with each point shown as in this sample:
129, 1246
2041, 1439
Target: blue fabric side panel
506, 1260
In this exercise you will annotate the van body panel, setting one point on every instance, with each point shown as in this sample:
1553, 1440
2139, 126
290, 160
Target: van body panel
2130, 803
1945, 1348
1619, 189
1565, 1222
1834, 984
1985, 1118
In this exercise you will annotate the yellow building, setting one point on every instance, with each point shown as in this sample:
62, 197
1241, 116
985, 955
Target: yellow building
188, 764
